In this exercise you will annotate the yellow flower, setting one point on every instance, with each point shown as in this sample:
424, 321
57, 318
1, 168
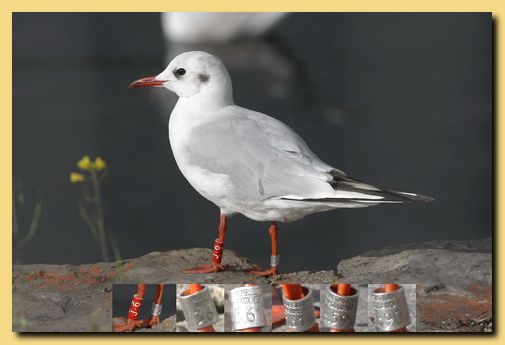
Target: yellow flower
99, 163
85, 163
75, 177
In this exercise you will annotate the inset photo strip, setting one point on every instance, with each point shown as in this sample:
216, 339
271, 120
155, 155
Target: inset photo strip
253, 172
143, 308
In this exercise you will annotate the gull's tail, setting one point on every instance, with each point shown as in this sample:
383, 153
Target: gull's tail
359, 191
352, 191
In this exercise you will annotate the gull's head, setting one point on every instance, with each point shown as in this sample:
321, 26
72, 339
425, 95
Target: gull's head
191, 73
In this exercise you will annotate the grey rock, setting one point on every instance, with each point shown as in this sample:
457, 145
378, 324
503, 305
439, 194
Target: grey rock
59, 301
454, 284
167, 268
453, 278
419, 266
454, 281
307, 277
484, 245
68, 298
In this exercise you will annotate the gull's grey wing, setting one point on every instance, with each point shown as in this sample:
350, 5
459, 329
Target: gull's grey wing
262, 158
260, 155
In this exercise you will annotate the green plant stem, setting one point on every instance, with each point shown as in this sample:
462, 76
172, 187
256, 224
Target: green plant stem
99, 215
34, 224
88, 221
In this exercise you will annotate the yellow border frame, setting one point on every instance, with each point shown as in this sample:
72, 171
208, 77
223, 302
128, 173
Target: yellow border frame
9, 6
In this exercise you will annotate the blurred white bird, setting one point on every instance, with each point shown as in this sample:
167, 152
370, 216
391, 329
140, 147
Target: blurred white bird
247, 162
216, 27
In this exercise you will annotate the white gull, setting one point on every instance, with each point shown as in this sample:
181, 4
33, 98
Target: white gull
247, 162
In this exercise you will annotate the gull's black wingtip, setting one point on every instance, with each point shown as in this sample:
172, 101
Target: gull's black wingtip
420, 199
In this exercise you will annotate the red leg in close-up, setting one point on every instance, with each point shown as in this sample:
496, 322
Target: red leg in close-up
158, 298
132, 322
217, 252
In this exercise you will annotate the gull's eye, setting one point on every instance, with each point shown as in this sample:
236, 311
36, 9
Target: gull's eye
180, 71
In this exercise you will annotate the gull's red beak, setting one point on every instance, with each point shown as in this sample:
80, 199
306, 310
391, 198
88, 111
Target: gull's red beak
146, 82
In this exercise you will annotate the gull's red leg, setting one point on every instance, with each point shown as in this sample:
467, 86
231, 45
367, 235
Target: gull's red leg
158, 297
273, 270
217, 251
131, 322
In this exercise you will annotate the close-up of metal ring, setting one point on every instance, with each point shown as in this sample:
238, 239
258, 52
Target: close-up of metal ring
199, 309
339, 311
156, 309
390, 310
247, 307
300, 313
274, 260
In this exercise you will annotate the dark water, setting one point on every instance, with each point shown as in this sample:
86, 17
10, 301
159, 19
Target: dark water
403, 101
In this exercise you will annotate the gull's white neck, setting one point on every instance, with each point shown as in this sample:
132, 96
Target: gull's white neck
192, 111
210, 99
203, 103
188, 113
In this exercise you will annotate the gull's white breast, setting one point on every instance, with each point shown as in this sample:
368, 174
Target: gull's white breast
213, 186
246, 162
